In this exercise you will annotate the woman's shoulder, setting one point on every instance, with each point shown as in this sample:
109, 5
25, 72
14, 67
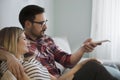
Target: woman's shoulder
30, 61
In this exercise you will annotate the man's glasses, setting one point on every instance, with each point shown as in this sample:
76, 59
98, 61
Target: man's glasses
41, 23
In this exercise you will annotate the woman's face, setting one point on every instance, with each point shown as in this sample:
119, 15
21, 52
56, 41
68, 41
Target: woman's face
23, 43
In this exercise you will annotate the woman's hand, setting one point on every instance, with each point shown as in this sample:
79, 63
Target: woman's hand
52, 77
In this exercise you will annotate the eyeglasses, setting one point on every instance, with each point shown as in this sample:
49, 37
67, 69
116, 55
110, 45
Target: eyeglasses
41, 23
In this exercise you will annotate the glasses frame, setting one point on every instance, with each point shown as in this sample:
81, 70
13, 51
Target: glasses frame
42, 23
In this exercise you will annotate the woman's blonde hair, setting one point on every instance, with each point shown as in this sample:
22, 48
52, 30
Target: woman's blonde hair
9, 37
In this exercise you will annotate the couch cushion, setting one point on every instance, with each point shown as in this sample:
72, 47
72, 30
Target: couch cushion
8, 76
63, 44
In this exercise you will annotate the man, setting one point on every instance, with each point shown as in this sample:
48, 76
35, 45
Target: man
33, 21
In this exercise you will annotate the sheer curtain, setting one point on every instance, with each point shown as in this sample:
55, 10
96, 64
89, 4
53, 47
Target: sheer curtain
106, 25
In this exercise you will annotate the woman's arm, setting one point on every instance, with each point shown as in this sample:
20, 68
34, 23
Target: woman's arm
88, 46
70, 74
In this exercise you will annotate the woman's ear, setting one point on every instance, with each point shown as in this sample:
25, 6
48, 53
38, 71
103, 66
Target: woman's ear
28, 24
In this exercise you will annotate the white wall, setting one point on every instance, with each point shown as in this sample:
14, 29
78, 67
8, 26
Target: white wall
69, 18
72, 18
9, 11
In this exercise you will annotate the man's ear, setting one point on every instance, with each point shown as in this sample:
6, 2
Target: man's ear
28, 24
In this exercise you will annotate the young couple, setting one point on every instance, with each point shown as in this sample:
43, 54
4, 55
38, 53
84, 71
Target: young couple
40, 52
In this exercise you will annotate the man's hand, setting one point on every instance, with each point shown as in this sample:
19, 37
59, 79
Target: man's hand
15, 67
89, 45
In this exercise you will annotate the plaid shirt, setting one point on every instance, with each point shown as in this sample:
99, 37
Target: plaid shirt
48, 53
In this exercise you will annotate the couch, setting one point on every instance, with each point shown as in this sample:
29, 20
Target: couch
112, 67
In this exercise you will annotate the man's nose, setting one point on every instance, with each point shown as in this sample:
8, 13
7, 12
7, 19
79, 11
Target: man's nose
44, 27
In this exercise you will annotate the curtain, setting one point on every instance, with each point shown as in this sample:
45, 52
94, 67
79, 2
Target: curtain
106, 25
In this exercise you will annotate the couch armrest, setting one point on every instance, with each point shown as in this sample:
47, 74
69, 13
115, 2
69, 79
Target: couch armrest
115, 65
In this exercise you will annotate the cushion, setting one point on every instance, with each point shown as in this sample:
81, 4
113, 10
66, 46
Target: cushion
63, 44
8, 76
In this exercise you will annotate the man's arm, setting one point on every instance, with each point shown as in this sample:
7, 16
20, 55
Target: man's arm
88, 46
12, 62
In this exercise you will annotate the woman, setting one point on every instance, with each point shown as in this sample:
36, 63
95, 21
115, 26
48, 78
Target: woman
14, 40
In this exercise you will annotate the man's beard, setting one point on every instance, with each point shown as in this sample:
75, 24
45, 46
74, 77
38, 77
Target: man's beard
41, 34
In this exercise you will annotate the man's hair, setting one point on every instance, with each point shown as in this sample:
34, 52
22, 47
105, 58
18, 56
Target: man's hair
29, 12
9, 37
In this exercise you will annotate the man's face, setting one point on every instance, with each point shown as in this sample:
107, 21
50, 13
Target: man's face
38, 26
